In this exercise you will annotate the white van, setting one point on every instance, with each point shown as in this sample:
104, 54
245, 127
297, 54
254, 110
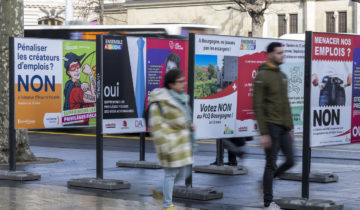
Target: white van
293, 37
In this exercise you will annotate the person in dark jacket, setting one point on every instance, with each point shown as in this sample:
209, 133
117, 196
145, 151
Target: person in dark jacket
273, 114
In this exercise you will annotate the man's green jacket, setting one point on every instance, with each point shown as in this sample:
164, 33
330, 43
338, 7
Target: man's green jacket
270, 99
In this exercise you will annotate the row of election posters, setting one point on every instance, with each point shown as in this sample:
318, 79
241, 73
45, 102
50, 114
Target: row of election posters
131, 68
224, 69
335, 88
54, 83
55, 80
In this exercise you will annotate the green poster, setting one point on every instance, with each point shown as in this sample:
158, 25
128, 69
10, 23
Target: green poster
79, 70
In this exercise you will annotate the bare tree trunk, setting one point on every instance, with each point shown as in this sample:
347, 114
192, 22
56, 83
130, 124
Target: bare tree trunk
11, 24
256, 10
101, 13
257, 25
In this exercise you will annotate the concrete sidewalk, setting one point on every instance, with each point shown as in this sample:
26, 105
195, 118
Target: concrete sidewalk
41, 197
240, 192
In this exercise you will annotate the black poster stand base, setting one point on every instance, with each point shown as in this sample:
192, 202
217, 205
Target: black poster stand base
313, 177
103, 184
138, 164
196, 193
222, 169
19, 175
310, 204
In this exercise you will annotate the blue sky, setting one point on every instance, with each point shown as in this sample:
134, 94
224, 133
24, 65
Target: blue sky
205, 60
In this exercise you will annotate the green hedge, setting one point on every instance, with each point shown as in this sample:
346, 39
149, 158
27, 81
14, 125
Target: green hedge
204, 89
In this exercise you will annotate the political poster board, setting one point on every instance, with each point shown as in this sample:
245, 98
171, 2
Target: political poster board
223, 69
333, 78
54, 83
131, 68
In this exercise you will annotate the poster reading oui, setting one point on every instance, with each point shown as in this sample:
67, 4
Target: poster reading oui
132, 67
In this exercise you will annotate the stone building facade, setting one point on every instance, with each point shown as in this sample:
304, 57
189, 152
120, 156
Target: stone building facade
36, 12
282, 16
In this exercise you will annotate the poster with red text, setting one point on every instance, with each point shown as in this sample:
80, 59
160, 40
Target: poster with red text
334, 89
224, 68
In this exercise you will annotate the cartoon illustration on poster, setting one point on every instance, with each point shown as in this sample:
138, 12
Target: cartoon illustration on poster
54, 83
161, 56
79, 70
331, 89
224, 70
37, 70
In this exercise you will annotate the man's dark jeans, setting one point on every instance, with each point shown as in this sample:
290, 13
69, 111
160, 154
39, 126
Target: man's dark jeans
280, 139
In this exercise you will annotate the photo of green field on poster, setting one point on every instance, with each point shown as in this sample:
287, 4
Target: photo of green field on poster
224, 68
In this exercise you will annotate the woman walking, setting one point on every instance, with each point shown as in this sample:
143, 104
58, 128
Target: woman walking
172, 130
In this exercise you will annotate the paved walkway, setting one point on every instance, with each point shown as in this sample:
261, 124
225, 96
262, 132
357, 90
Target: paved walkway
59, 198
239, 191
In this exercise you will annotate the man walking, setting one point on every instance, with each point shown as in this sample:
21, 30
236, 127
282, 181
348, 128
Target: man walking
273, 114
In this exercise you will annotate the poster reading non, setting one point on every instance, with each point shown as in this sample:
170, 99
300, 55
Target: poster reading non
51, 89
335, 89
224, 70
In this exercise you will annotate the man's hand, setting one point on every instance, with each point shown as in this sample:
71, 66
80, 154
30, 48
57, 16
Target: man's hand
292, 135
87, 69
192, 127
315, 79
265, 141
349, 80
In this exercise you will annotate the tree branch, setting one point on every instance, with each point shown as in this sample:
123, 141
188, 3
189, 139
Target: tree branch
252, 6
267, 4
241, 9
242, 3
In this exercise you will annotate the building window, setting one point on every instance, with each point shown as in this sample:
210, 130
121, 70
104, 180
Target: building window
281, 25
293, 23
330, 22
342, 22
